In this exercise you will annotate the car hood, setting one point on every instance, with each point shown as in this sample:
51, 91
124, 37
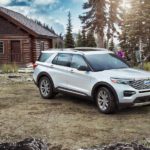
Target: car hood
127, 73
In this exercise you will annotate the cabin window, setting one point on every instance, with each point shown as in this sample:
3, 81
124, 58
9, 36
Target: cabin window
42, 46
1, 47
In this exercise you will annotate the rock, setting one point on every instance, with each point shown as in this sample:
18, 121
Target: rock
29, 79
27, 144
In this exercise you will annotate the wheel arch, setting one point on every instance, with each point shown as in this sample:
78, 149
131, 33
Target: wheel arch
104, 84
44, 74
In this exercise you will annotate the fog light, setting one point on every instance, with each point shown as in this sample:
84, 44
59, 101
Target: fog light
129, 93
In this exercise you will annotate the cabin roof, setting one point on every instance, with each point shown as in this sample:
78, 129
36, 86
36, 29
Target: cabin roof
28, 24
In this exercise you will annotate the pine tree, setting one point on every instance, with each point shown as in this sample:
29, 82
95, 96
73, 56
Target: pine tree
101, 15
114, 17
136, 27
105, 43
90, 39
69, 41
111, 45
84, 42
79, 40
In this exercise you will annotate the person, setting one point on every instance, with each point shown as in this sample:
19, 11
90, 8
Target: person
121, 53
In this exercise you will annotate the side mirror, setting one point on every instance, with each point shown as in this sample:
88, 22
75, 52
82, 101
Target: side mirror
83, 68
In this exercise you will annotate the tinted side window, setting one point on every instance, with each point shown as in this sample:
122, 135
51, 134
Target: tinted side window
100, 62
44, 56
62, 60
78, 61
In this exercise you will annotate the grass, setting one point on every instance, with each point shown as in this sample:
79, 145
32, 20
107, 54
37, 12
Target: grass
147, 66
9, 68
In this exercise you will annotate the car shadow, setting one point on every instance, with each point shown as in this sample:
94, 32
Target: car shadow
76, 99
83, 101
141, 109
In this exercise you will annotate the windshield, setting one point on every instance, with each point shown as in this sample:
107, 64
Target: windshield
100, 62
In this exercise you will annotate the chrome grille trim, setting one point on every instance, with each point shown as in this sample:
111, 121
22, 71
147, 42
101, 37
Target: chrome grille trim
139, 84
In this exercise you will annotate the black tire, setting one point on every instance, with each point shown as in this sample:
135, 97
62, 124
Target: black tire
105, 101
48, 88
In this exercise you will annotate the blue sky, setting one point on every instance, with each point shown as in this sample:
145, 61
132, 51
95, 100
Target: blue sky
52, 12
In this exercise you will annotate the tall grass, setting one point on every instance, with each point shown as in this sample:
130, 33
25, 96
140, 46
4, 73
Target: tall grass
147, 66
9, 68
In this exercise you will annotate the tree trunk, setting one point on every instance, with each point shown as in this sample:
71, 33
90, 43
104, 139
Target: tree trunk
100, 40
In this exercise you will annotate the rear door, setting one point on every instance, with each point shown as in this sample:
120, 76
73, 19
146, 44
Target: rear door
60, 70
79, 80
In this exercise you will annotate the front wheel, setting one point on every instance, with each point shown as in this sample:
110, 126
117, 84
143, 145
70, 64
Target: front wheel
46, 88
105, 100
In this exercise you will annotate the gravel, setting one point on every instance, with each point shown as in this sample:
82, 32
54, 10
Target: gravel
119, 146
17, 77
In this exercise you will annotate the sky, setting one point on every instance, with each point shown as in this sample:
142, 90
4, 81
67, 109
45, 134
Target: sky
51, 12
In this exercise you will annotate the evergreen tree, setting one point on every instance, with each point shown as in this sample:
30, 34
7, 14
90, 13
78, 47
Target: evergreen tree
101, 15
136, 27
111, 45
114, 17
105, 43
69, 41
79, 40
90, 39
84, 42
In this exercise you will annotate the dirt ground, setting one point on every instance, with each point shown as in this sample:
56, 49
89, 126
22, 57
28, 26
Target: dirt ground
65, 120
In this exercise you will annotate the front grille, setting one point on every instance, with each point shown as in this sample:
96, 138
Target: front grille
140, 84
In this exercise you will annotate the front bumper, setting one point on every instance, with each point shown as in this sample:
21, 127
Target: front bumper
139, 96
142, 99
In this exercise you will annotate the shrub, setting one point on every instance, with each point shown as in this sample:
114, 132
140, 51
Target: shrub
147, 66
9, 68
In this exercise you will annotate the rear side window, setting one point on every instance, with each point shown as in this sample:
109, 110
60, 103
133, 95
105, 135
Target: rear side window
62, 60
44, 57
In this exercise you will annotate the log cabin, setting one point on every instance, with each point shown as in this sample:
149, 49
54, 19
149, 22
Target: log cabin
21, 39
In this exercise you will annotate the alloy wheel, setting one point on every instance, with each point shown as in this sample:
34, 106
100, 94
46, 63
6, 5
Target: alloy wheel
103, 100
45, 87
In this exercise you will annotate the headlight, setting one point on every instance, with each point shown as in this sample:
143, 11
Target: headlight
120, 80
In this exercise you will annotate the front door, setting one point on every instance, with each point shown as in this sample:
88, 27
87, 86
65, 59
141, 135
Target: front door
15, 51
79, 81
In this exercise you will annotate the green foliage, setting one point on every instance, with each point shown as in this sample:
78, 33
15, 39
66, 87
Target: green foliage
105, 43
84, 42
136, 27
69, 41
90, 40
79, 40
9, 68
111, 45
147, 66
101, 15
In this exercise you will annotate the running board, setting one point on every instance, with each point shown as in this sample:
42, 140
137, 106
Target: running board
71, 91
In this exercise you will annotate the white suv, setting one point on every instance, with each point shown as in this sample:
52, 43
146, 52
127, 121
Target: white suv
99, 75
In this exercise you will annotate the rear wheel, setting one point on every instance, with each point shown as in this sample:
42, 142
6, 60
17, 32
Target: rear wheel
105, 101
46, 88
